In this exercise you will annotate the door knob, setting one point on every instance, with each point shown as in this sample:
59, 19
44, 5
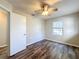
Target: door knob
24, 34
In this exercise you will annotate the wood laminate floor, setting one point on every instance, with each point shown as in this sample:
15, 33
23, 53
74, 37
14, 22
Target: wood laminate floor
3, 53
48, 50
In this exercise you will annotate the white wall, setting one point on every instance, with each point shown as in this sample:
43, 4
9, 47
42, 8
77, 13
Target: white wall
70, 30
35, 29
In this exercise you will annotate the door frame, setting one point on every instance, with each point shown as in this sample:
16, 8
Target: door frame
8, 32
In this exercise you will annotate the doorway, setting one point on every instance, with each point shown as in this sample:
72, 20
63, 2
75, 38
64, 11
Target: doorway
4, 33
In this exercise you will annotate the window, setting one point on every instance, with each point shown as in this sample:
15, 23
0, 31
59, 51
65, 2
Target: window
57, 28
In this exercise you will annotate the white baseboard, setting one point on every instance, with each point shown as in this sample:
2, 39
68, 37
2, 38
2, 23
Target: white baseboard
3, 45
64, 43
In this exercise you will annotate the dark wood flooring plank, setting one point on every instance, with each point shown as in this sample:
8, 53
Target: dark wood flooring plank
48, 50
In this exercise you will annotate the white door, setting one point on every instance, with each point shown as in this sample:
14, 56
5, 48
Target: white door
18, 33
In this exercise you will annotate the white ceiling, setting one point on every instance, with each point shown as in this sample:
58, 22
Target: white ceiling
28, 6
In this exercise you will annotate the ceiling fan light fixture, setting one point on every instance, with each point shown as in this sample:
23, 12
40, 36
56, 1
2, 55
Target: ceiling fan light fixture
45, 13
45, 10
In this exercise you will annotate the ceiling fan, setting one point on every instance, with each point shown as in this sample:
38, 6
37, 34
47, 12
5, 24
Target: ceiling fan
46, 7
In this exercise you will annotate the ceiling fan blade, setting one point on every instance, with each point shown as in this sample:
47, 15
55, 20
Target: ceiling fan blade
51, 2
52, 10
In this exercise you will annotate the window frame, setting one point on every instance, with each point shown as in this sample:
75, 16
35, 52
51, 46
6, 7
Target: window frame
57, 28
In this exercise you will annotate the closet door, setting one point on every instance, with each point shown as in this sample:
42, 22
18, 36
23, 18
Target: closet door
18, 33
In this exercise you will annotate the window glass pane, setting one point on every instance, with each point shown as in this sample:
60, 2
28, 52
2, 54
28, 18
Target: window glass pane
58, 24
57, 31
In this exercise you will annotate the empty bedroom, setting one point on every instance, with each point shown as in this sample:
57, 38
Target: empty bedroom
39, 29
